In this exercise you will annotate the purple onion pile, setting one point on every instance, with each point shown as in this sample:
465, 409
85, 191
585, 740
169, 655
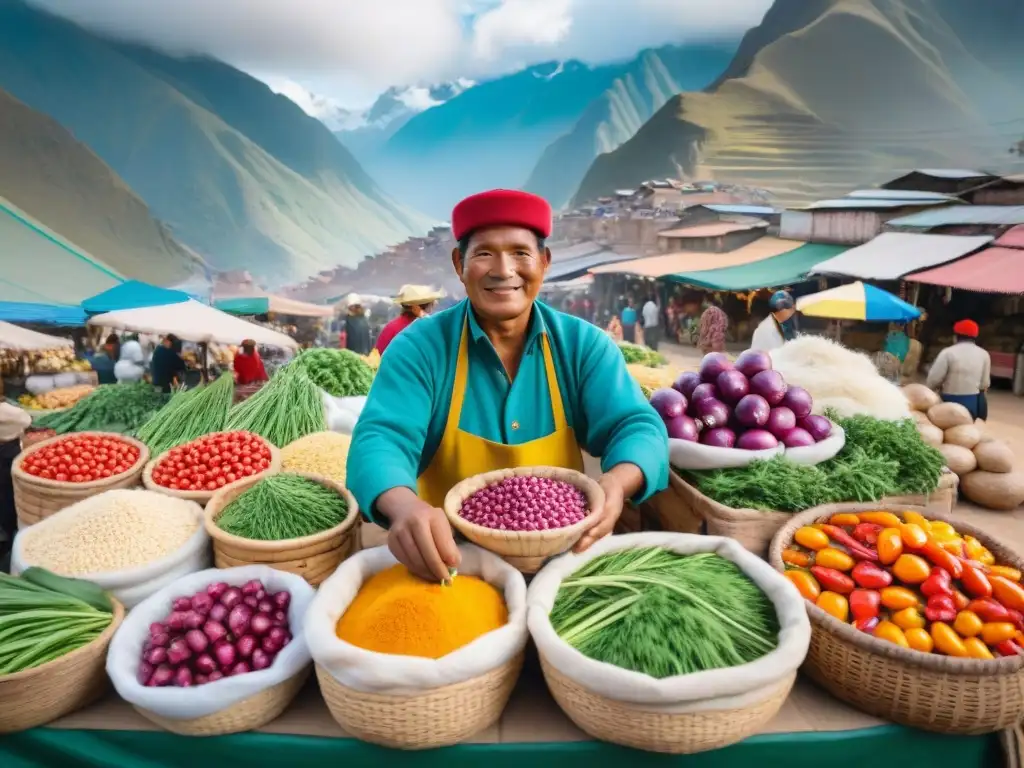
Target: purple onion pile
745, 405
220, 632
525, 503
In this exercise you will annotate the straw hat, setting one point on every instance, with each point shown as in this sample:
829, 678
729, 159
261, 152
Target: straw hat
353, 300
417, 294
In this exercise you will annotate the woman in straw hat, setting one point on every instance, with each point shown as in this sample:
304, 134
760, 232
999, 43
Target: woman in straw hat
416, 301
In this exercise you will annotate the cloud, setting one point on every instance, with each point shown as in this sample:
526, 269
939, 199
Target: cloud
401, 42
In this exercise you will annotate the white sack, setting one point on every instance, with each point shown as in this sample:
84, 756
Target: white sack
186, 703
684, 454
714, 689
64, 380
39, 385
132, 585
342, 413
383, 673
815, 454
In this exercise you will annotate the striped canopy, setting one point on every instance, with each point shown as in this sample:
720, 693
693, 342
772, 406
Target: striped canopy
857, 301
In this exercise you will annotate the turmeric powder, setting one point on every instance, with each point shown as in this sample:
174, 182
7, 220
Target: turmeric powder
398, 613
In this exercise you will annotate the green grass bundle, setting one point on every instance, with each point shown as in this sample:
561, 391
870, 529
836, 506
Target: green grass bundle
190, 414
661, 613
283, 507
121, 408
288, 407
641, 355
339, 372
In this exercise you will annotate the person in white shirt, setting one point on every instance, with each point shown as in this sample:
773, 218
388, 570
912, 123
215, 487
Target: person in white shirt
131, 367
652, 324
962, 373
780, 325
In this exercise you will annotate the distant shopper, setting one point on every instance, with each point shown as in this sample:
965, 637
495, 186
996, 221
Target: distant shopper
104, 360
962, 372
780, 326
652, 323
13, 423
628, 319
131, 365
248, 365
357, 326
713, 325
167, 367
416, 301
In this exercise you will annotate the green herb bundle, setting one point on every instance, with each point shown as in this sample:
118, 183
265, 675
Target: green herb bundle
662, 614
288, 407
920, 465
640, 355
121, 408
190, 414
283, 507
339, 372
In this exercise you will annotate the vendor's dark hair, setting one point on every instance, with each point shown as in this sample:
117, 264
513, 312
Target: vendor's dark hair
464, 242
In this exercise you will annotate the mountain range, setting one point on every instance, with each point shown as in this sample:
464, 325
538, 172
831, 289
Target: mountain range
826, 95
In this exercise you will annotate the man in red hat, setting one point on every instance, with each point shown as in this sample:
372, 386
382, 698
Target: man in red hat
498, 381
962, 372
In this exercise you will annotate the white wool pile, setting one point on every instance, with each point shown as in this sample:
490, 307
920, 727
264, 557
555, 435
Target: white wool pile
839, 378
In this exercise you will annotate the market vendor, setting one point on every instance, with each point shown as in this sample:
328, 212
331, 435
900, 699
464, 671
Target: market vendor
499, 380
780, 326
416, 301
248, 365
13, 423
130, 367
167, 366
962, 372
357, 326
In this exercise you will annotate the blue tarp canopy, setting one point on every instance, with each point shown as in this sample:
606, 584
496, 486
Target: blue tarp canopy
41, 314
132, 294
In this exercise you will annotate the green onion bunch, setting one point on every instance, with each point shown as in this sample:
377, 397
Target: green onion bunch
283, 507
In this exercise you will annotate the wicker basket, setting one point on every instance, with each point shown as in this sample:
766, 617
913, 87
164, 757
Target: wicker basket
435, 718
675, 733
755, 528
202, 497
525, 550
923, 690
36, 498
41, 695
247, 715
312, 557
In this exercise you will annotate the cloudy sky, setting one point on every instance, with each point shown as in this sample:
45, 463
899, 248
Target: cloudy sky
350, 50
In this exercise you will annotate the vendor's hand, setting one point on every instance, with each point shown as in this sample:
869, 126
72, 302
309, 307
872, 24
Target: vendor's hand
619, 483
421, 538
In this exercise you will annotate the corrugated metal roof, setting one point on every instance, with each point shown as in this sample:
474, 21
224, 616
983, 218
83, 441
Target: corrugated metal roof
900, 194
748, 210
853, 203
993, 270
784, 269
1012, 238
575, 251
962, 215
951, 173
570, 268
715, 229
894, 254
692, 261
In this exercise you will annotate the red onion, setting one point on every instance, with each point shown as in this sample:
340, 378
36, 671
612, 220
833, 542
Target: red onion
196, 640
156, 628
194, 620
214, 631
251, 601
797, 438
780, 421
265, 606
757, 440
238, 620
205, 664
162, 675
525, 503
818, 426
282, 599
713, 364
144, 673
261, 594
713, 413
178, 651
732, 386
176, 621
202, 603
770, 385
183, 677
240, 668
280, 635
799, 401
159, 641
218, 613
668, 403
200, 680
182, 604
261, 624
686, 383
224, 653
261, 659
280, 618
155, 656
719, 437
752, 411
232, 596
217, 590
702, 392
245, 645
752, 362
682, 428
252, 587
215, 676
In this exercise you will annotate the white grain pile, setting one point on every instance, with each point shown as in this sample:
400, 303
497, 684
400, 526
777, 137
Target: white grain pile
112, 531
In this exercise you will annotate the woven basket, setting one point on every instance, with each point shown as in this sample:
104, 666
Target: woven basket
36, 498
675, 733
436, 718
525, 550
247, 715
312, 557
755, 528
41, 695
202, 497
922, 690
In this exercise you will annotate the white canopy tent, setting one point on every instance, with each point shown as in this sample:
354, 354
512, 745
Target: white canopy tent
192, 321
24, 340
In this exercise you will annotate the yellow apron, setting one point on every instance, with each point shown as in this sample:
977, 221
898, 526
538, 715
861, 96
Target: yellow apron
461, 455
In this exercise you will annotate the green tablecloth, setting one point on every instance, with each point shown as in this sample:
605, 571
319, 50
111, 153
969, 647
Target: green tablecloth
883, 746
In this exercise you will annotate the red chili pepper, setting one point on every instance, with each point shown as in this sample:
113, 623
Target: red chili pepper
1009, 648
865, 603
939, 582
870, 576
960, 600
867, 533
866, 625
833, 580
855, 548
1016, 618
989, 610
940, 608
940, 557
974, 580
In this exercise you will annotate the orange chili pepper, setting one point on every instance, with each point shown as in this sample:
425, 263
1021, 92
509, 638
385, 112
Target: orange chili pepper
911, 569
796, 557
805, 584
977, 551
986, 558
913, 536
968, 624
833, 558
909, 618
916, 518
995, 632
1005, 571
811, 538
835, 604
898, 598
960, 600
844, 518
886, 630
976, 649
940, 530
940, 557
888, 519
975, 582
919, 640
953, 546
890, 545
947, 641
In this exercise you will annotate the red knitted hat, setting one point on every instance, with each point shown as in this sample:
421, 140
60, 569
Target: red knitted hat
502, 208
967, 328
